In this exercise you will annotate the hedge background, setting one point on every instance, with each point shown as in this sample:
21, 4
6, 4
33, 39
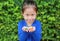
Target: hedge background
48, 14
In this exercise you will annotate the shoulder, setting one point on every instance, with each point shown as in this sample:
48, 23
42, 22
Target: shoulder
21, 21
38, 24
37, 21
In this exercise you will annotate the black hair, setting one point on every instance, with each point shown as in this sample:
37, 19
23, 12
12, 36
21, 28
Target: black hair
29, 2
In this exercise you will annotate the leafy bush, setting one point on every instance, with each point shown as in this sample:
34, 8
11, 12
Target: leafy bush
48, 14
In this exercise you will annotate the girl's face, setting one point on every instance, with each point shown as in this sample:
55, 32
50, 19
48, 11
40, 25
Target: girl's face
29, 15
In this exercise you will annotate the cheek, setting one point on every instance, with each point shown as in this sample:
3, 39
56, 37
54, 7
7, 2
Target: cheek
25, 17
34, 17
31, 17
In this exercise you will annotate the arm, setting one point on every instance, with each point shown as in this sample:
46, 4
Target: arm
37, 35
21, 34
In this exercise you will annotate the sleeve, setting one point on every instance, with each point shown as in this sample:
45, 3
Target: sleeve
37, 35
21, 34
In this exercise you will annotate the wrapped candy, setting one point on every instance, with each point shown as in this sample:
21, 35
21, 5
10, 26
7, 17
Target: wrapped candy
25, 27
29, 28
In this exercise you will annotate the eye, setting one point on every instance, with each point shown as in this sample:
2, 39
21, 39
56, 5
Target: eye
33, 14
27, 14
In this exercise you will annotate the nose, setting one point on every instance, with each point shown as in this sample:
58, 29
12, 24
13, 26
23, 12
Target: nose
30, 17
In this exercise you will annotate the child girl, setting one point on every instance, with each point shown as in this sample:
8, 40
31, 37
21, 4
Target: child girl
29, 29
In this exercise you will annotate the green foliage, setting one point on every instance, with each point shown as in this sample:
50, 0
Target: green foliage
48, 14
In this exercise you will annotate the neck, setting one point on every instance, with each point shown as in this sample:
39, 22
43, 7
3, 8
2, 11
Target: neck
29, 24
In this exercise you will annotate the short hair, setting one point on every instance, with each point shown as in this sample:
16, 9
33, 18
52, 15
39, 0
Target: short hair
29, 2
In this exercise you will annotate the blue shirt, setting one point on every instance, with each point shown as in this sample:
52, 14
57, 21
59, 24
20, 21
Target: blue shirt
29, 36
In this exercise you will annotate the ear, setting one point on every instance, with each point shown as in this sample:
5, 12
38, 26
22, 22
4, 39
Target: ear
22, 14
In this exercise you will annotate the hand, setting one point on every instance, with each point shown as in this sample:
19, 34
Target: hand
25, 29
32, 29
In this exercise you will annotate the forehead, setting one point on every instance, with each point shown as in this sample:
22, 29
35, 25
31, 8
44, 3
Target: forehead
29, 10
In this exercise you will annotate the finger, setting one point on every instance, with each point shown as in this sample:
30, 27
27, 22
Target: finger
30, 31
26, 30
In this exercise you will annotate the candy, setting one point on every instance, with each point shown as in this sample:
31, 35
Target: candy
26, 28
30, 28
